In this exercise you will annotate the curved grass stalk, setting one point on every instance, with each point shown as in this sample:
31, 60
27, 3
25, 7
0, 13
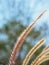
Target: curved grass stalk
43, 60
41, 56
47, 47
32, 51
21, 40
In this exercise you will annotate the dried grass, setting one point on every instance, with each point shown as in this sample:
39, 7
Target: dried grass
21, 39
32, 51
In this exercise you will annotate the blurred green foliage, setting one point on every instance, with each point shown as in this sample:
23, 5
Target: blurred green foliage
12, 30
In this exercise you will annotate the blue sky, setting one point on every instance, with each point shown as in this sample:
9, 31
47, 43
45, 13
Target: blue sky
30, 8
10, 9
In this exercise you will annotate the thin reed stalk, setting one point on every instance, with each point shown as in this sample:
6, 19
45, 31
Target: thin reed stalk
41, 56
32, 51
21, 39
43, 60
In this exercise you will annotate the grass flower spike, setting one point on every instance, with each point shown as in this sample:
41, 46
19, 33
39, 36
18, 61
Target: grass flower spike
21, 39
32, 51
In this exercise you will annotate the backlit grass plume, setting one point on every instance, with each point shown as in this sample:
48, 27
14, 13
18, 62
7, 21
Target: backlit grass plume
41, 56
32, 51
43, 59
20, 41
